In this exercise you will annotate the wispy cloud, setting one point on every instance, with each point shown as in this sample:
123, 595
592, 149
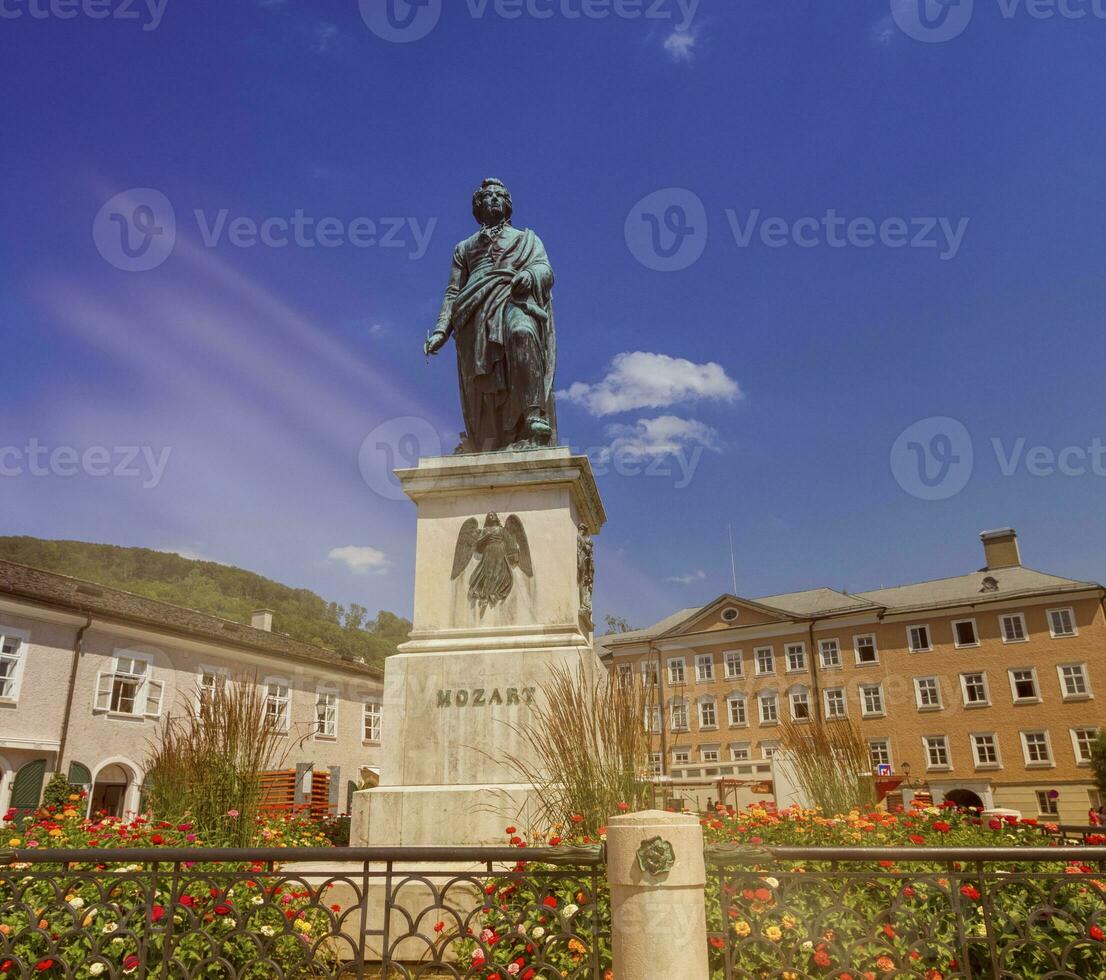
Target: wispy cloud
884, 31
361, 559
666, 435
325, 37
680, 45
639, 379
696, 576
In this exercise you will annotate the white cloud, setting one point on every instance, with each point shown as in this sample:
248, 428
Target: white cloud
361, 560
680, 45
884, 31
687, 579
666, 435
639, 379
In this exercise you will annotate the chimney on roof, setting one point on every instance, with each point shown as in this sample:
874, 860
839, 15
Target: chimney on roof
262, 619
1001, 548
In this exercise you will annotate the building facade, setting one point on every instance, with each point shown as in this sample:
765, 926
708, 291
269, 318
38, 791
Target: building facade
88, 674
982, 687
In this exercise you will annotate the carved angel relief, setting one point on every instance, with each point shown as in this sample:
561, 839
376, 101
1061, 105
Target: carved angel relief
499, 549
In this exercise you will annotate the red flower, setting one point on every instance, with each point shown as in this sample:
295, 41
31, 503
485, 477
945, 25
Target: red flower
5, 966
439, 926
43, 965
942, 827
969, 891
157, 913
554, 841
187, 901
1097, 933
222, 910
821, 958
623, 807
512, 830
717, 942
157, 839
994, 823
577, 818
550, 902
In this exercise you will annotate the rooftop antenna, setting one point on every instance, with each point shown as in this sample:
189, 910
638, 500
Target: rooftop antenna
733, 563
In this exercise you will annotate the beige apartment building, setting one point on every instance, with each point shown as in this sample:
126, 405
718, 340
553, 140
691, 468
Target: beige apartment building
88, 673
981, 687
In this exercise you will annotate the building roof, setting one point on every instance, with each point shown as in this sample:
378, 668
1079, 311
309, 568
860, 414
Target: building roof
89, 598
982, 586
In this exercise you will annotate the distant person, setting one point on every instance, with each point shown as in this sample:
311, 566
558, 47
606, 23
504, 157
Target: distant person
1095, 817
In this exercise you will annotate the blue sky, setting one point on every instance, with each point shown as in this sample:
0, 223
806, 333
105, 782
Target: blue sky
770, 368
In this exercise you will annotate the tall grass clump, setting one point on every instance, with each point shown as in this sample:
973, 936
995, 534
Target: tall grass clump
588, 747
831, 761
206, 763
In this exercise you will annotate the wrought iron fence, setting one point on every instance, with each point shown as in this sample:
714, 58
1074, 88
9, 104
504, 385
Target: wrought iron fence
302, 913
932, 913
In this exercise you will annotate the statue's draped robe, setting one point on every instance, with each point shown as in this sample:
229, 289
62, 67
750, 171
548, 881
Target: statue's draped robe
506, 345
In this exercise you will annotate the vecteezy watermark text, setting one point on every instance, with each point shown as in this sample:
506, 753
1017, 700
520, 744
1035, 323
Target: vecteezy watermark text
124, 462
150, 12
935, 21
136, 230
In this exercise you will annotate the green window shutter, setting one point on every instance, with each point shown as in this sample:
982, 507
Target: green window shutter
27, 787
80, 775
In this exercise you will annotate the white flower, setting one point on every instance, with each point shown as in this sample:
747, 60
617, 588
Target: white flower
76, 902
267, 930
772, 882
538, 932
257, 900
570, 910
96, 969
808, 945
109, 927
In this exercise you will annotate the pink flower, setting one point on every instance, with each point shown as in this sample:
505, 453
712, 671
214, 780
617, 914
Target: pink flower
232, 813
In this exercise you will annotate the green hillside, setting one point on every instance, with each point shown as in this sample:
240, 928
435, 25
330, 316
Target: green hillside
221, 590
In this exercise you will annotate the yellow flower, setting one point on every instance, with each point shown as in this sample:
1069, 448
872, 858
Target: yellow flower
301, 925
55, 833
742, 928
14, 842
774, 933
789, 922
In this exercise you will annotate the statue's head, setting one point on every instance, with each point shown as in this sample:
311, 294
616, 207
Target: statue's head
492, 520
491, 203
582, 528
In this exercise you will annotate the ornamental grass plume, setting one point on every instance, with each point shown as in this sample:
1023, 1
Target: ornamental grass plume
588, 748
831, 762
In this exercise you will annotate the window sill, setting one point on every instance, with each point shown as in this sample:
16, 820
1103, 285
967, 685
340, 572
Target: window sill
376, 741
987, 767
966, 646
708, 728
739, 724
1024, 701
769, 724
923, 650
929, 708
837, 717
938, 768
873, 714
867, 663
1040, 765
977, 704
1012, 642
9, 701
1078, 697
1062, 636
832, 667
325, 738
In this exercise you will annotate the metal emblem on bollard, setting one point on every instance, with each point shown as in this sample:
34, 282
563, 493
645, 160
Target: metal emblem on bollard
655, 857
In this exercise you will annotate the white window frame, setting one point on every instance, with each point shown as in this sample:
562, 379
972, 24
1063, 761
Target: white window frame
979, 763
865, 712
761, 714
736, 748
626, 672
673, 664
651, 673
1048, 763
910, 638
986, 702
942, 740
956, 639
15, 678
832, 715
284, 722
220, 674
704, 660
771, 652
731, 657
1017, 617
653, 718
707, 750
833, 644
797, 650
681, 756
704, 704
885, 743
769, 749
327, 734
367, 711
1074, 733
936, 685
656, 763
1087, 694
792, 696
1051, 807
856, 649
1052, 626
678, 704
148, 688
1036, 699
732, 699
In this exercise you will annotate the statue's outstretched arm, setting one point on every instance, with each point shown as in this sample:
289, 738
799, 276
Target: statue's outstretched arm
456, 281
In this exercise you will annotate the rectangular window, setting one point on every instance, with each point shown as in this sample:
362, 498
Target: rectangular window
766, 660
927, 690
865, 647
656, 763
681, 756
974, 687
937, 751
1037, 750
276, 704
830, 651
1023, 684
371, 719
12, 645
1013, 628
708, 717
709, 753
796, 657
653, 718
1073, 681
871, 699
964, 633
1061, 622
651, 671
736, 707
704, 668
326, 713
679, 716
1082, 740
918, 639
880, 751
129, 688
212, 682
739, 752
734, 665
769, 708
769, 749
800, 705
676, 671
625, 672
1047, 804
985, 749
835, 702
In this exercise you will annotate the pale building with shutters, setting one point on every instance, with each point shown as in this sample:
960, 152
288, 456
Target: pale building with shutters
88, 674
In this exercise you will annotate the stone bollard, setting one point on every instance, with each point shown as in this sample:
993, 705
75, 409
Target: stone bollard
658, 896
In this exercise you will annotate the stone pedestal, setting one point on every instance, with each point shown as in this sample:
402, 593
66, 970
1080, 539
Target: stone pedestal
471, 673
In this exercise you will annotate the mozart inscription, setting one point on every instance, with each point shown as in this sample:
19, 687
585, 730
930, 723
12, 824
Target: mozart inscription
481, 697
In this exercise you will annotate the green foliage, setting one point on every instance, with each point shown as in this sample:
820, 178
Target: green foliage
219, 590
58, 790
1098, 762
